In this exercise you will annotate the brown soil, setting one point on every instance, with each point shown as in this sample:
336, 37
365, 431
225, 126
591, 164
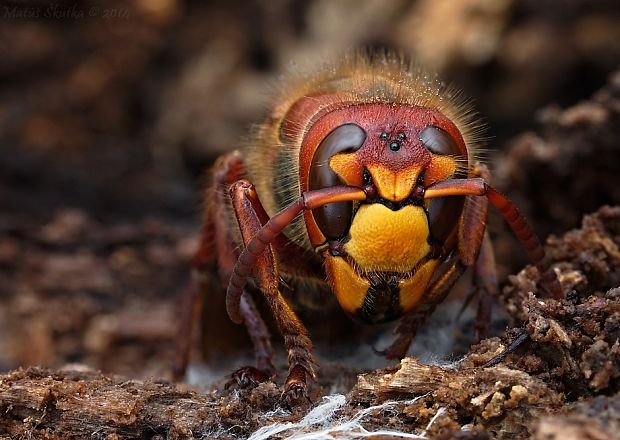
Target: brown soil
564, 380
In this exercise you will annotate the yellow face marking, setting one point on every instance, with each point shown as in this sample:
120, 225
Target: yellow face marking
344, 164
412, 289
386, 240
440, 168
391, 185
349, 287
394, 185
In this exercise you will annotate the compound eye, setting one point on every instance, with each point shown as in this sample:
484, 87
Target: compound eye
438, 141
334, 219
443, 216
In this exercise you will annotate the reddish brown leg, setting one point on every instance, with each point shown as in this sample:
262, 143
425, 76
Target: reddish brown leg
475, 250
520, 227
217, 248
485, 282
510, 213
530, 241
191, 305
259, 333
250, 376
473, 223
296, 341
484, 287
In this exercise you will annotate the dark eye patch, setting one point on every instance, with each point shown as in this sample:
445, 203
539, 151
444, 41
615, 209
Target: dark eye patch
439, 141
443, 216
334, 219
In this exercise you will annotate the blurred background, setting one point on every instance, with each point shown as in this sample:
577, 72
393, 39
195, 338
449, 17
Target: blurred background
110, 112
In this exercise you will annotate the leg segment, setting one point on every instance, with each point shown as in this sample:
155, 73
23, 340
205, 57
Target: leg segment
473, 223
510, 213
259, 333
191, 305
475, 250
530, 241
216, 238
217, 253
247, 206
212, 248
485, 282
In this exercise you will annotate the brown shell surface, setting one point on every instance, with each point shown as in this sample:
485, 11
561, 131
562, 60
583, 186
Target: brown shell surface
275, 150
